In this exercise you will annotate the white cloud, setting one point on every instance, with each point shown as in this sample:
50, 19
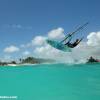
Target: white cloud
19, 26
56, 33
52, 53
26, 53
38, 40
80, 53
11, 49
16, 26
46, 51
93, 39
27, 45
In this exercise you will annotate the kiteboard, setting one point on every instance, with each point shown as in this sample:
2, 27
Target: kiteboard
58, 45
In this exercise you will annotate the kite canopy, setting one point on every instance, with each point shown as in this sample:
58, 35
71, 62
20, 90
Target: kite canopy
58, 45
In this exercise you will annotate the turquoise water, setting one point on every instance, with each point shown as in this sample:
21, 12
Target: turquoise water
51, 82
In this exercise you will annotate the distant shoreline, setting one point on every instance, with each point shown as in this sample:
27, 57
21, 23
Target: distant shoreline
26, 61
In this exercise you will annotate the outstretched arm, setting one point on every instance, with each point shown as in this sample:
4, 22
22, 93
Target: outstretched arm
80, 40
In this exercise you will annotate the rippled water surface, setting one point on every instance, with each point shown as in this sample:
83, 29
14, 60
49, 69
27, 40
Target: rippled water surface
51, 82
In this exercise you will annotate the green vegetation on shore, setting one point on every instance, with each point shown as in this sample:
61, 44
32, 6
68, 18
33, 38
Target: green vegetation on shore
28, 60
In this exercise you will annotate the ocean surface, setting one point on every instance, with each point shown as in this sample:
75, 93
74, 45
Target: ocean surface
51, 82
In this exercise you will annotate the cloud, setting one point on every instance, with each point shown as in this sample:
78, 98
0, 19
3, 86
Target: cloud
26, 53
38, 41
11, 49
51, 53
46, 51
80, 53
56, 33
93, 39
17, 26
43, 50
93, 43
27, 45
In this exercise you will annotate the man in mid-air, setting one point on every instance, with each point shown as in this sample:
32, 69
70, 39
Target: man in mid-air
72, 45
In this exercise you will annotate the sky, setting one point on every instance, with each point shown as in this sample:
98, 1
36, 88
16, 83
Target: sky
23, 20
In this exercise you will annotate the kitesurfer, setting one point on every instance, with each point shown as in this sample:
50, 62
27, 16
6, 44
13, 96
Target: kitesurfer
72, 45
